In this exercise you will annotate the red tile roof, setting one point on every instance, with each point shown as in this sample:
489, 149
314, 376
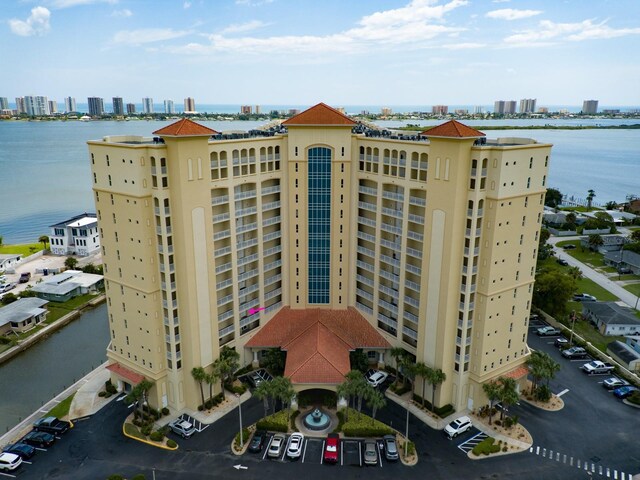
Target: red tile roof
320, 114
318, 342
124, 372
517, 373
454, 129
185, 128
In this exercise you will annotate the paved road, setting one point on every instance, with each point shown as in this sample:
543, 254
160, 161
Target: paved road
588, 272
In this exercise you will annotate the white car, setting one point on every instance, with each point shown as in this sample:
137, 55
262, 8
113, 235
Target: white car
294, 447
5, 287
458, 426
182, 428
376, 378
9, 461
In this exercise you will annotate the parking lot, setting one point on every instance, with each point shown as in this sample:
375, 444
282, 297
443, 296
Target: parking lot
350, 453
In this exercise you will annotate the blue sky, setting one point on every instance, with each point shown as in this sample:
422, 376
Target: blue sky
343, 52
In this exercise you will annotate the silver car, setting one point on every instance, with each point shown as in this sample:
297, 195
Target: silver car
183, 428
370, 452
276, 445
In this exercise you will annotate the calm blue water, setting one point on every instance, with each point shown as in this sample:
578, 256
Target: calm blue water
45, 173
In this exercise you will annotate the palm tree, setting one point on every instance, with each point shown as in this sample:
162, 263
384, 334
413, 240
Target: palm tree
397, 353
550, 367
422, 370
211, 378
70, 263
536, 367
590, 196
436, 377
492, 391
285, 392
264, 391
595, 241
343, 391
221, 368
200, 376
375, 401
508, 394
575, 273
43, 239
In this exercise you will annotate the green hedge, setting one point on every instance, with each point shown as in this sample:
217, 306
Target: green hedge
171, 443
133, 431
245, 437
278, 422
239, 389
442, 412
486, 446
634, 397
361, 425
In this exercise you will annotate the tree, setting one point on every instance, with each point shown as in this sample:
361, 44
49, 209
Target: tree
275, 361
211, 378
264, 391
1, 241
359, 360
283, 391
422, 370
575, 273
508, 394
549, 367
375, 401
492, 391
635, 236
397, 353
552, 290
611, 205
221, 368
590, 196
571, 218
70, 263
139, 394
553, 198
595, 241
436, 377
8, 298
199, 375
43, 239
343, 391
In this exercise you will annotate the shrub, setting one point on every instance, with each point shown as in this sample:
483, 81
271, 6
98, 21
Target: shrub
171, 444
165, 411
110, 388
139, 476
277, 422
294, 415
542, 393
239, 389
209, 403
133, 431
245, 437
511, 421
102, 393
486, 447
411, 449
498, 422
157, 436
115, 476
361, 425
340, 416
107, 394
200, 408
146, 430
634, 398
505, 448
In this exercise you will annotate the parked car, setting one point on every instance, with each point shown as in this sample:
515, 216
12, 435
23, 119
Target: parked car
39, 439
331, 448
574, 352
276, 445
390, 448
294, 447
182, 427
623, 270
458, 426
569, 246
561, 342
5, 287
257, 441
614, 382
51, 425
376, 377
584, 297
9, 461
370, 452
255, 379
562, 262
624, 392
596, 367
547, 331
24, 277
23, 450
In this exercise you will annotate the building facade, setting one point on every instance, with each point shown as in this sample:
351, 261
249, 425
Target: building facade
118, 106
76, 236
432, 241
504, 107
590, 107
169, 107
147, 105
36, 105
528, 105
131, 108
70, 105
189, 105
96, 106
4, 103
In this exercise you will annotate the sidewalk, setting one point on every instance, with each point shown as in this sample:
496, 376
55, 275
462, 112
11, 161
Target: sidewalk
230, 404
424, 417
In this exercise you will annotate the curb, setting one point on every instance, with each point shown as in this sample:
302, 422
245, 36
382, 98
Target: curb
148, 442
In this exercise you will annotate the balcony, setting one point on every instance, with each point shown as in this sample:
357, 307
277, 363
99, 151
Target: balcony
273, 307
393, 196
389, 306
271, 251
468, 251
225, 331
173, 304
412, 285
221, 251
171, 269
410, 333
366, 251
366, 236
413, 269
244, 211
248, 290
414, 253
364, 294
468, 232
248, 305
420, 202
272, 189
411, 301
272, 265
411, 317
272, 279
367, 221
368, 190
244, 194
162, 250
220, 200
392, 212
247, 243
388, 260
248, 259
221, 217
364, 308
224, 284
387, 321
367, 206
224, 268
416, 219
224, 300
270, 206
390, 228
393, 293
246, 228
172, 286
392, 245
390, 276
271, 236
225, 315
248, 275
365, 280
222, 234
467, 270
459, 342
463, 288
415, 236
367, 266
466, 358
166, 211
271, 221
272, 293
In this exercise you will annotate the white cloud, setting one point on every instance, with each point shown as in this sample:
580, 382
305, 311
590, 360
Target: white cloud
36, 24
75, 3
410, 26
253, 3
500, 1
186, 5
549, 33
243, 27
463, 46
122, 13
512, 14
147, 35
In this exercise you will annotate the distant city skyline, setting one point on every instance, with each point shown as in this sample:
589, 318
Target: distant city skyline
248, 52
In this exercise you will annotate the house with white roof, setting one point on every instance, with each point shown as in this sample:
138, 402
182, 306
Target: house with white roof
77, 236
67, 285
22, 315
9, 260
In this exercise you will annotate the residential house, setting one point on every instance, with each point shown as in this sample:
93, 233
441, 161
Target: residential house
623, 259
22, 315
611, 318
77, 236
627, 353
610, 243
9, 260
67, 285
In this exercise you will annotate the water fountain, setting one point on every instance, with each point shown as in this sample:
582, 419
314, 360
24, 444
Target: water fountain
317, 420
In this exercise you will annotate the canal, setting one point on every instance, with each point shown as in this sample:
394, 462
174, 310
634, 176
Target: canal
41, 372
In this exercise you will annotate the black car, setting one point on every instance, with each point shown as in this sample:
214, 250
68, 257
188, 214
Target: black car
257, 442
51, 425
39, 439
21, 449
570, 246
562, 262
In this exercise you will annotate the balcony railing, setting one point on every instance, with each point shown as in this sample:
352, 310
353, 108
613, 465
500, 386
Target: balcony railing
387, 321
220, 200
364, 308
364, 294
410, 332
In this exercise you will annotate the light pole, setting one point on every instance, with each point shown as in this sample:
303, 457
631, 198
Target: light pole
406, 430
240, 416
573, 323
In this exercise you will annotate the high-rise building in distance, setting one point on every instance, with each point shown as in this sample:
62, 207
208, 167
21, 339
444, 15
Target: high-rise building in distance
118, 106
189, 105
590, 107
20, 108
147, 105
4, 103
527, 105
246, 109
70, 105
504, 107
440, 109
169, 107
53, 107
131, 108
96, 106
36, 105
258, 110
386, 111
314, 237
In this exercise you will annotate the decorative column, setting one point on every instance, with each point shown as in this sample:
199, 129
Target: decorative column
255, 363
381, 359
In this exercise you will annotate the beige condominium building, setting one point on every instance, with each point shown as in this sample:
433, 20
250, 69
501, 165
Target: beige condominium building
318, 238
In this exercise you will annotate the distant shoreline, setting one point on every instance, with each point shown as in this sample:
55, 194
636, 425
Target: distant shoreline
635, 126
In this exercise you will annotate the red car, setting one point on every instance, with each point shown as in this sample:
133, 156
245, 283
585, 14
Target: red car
331, 448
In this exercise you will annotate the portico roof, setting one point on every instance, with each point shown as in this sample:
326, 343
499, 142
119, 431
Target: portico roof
318, 342
124, 372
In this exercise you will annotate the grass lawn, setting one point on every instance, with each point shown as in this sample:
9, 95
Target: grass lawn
590, 334
593, 259
608, 270
589, 286
634, 288
24, 249
62, 409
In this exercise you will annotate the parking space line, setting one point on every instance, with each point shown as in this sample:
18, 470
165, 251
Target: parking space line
360, 453
341, 453
7, 475
304, 450
41, 449
562, 392
322, 452
472, 442
267, 449
379, 455
27, 462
